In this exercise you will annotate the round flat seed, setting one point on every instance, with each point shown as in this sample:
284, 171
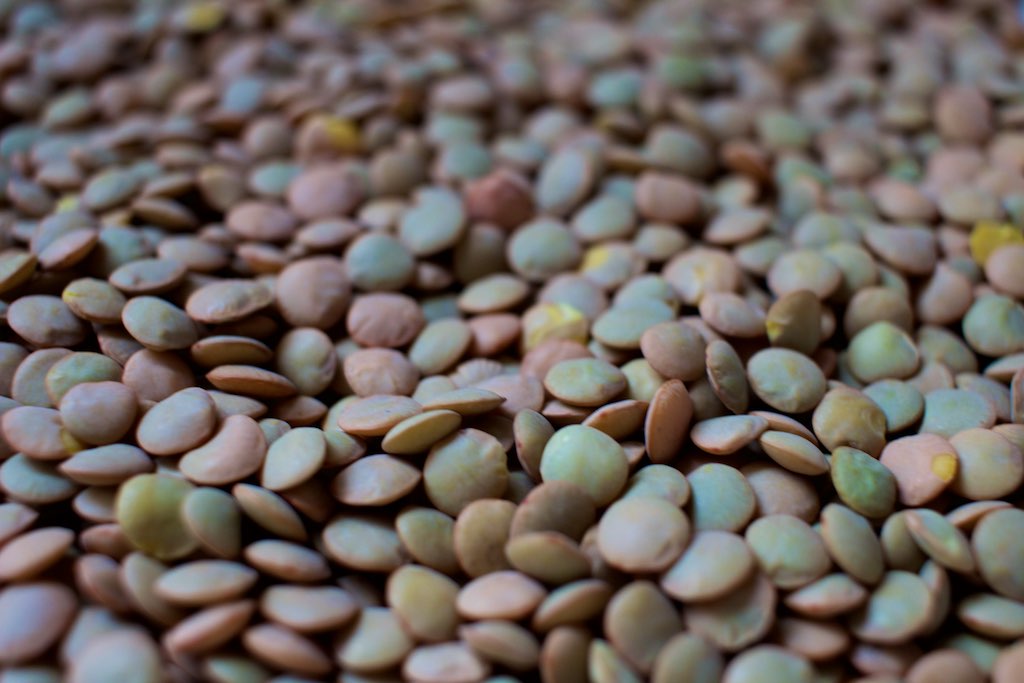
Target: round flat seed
667, 421
308, 609
732, 315
209, 629
342, 448
946, 665
181, 422
251, 381
605, 665
520, 393
34, 482
374, 642
212, 516
138, 575
948, 412
465, 401
794, 321
989, 465
998, 550
622, 327
727, 434
804, 269
503, 643
236, 451
226, 301
123, 654
33, 617
940, 540
555, 506
739, 619
375, 415
315, 292
827, 597
480, 534
229, 350
45, 321
493, 293
98, 412
548, 556
282, 648
500, 595
363, 543
97, 578
968, 515
15, 518
148, 510
642, 535
374, 480
287, 561
768, 664
720, 499
896, 611
15, 268
464, 467
619, 419
786, 380
727, 377
992, 615
205, 582
659, 481
924, 465
586, 457
424, 601
852, 543
793, 452
157, 324
293, 458
714, 564
418, 433
994, 325
37, 432
864, 484
531, 432
148, 276
674, 350
440, 345
573, 603
788, 550
78, 368
385, 320
30, 554
585, 381
688, 657
270, 511
846, 417
444, 663
27, 386
901, 402
898, 546
639, 621
428, 536
155, 376
882, 351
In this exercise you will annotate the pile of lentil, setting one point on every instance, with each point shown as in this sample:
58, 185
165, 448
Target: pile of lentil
507, 341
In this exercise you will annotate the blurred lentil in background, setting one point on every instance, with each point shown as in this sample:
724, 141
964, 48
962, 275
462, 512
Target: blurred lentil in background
461, 341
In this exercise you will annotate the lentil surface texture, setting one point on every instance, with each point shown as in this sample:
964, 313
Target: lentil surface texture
505, 341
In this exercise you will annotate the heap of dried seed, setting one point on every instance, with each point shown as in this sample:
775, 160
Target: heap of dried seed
448, 342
